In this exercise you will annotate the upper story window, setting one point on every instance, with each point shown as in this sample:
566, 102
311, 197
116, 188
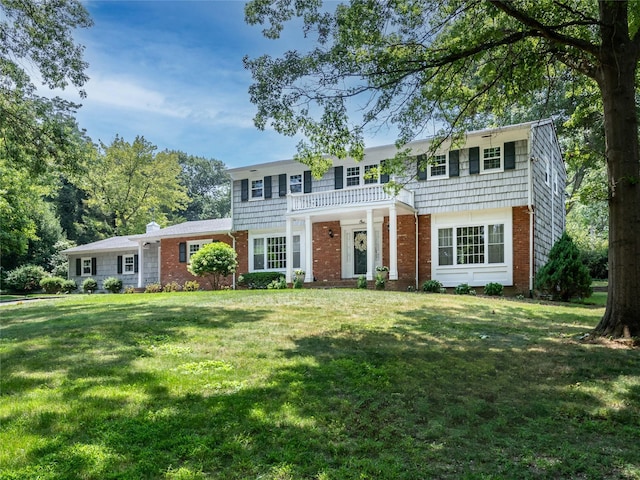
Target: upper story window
257, 188
295, 183
353, 176
491, 158
438, 166
370, 174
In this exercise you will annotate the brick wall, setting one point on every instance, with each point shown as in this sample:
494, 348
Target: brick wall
172, 270
327, 259
424, 249
521, 249
242, 249
406, 248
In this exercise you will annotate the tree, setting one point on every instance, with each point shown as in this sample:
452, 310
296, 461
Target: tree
208, 187
132, 185
215, 260
35, 131
411, 62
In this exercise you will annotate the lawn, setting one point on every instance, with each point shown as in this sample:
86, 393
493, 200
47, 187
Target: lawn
313, 384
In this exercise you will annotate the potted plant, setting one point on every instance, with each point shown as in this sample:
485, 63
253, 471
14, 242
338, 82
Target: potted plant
383, 271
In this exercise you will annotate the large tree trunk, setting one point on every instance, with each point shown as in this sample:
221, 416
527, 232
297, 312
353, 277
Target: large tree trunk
616, 78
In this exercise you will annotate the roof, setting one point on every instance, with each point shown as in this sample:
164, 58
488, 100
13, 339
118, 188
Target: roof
113, 243
198, 227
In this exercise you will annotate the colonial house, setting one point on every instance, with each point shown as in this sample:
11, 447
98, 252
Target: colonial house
487, 209
484, 209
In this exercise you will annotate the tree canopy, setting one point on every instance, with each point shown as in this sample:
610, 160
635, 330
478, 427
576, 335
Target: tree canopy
410, 63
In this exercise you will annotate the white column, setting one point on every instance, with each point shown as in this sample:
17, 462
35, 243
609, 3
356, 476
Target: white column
140, 265
308, 250
393, 243
289, 251
371, 253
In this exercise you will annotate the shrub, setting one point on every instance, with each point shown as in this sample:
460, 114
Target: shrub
69, 286
153, 288
172, 287
279, 284
258, 280
298, 282
130, 289
564, 276
362, 282
52, 284
432, 286
112, 284
464, 289
89, 285
493, 289
597, 261
26, 278
191, 286
381, 281
214, 260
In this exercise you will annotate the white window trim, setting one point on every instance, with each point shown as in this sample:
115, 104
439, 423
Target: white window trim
446, 167
361, 175
124, 264
301, 182
201, 243
251, 197
253, 237
82, 260
491, 170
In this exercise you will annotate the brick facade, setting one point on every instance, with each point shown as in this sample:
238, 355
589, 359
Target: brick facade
327, 257
521, 249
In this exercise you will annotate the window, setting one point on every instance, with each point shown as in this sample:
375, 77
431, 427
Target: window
270, 253
491, 159
473, 245
257, 188
438, 166
445, 246
353, 176
194, 246
370, 174
86, 267
128, 264
295, 183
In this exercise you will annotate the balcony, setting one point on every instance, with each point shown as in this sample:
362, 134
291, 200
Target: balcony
367, 195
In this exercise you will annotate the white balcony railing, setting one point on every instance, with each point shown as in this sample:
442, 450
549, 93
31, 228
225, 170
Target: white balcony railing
357, 196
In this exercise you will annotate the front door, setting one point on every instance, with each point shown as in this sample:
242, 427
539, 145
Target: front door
360, 252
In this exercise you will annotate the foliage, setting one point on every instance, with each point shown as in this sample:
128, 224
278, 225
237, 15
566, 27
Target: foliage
112, 284
464, 289
130, 289
25, 278
279, 284
215, 260
298, 278
361, 282
69, 286
172, 287
408, 391
493, 289
153, 288
52, 284
191, 286
597, 262
130, 183
258, 280
380, 282
89, 285
382, 268
564, 276
433, 286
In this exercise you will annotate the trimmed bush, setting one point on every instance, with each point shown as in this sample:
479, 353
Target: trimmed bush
89, 285
112, 284
26, 278
172, 287
433, 286
52, 284
258, 280
493, 289
69, 286
564, 276
362, 282
464, 289
130, 289
214, 260
191, 286
153, 288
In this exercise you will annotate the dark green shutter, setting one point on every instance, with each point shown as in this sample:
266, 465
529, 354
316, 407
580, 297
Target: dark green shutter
119, 263
510, 155
135, 263
474, 160
282, 185
267, 187
94, 266
182, 252
78, 267
338, 178
454, 163
244, 190
384, 176
307, 181
422, 165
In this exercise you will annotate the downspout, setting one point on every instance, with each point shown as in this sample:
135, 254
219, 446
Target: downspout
530, 211
415, 214
233, 281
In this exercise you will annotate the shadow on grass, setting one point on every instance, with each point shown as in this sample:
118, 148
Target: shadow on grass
435, 396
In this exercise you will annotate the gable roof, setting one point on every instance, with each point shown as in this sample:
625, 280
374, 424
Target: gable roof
108, 244
197, 227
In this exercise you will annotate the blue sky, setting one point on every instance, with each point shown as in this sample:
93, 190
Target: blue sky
172, 72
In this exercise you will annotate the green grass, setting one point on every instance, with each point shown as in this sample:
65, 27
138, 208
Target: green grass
313, 384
